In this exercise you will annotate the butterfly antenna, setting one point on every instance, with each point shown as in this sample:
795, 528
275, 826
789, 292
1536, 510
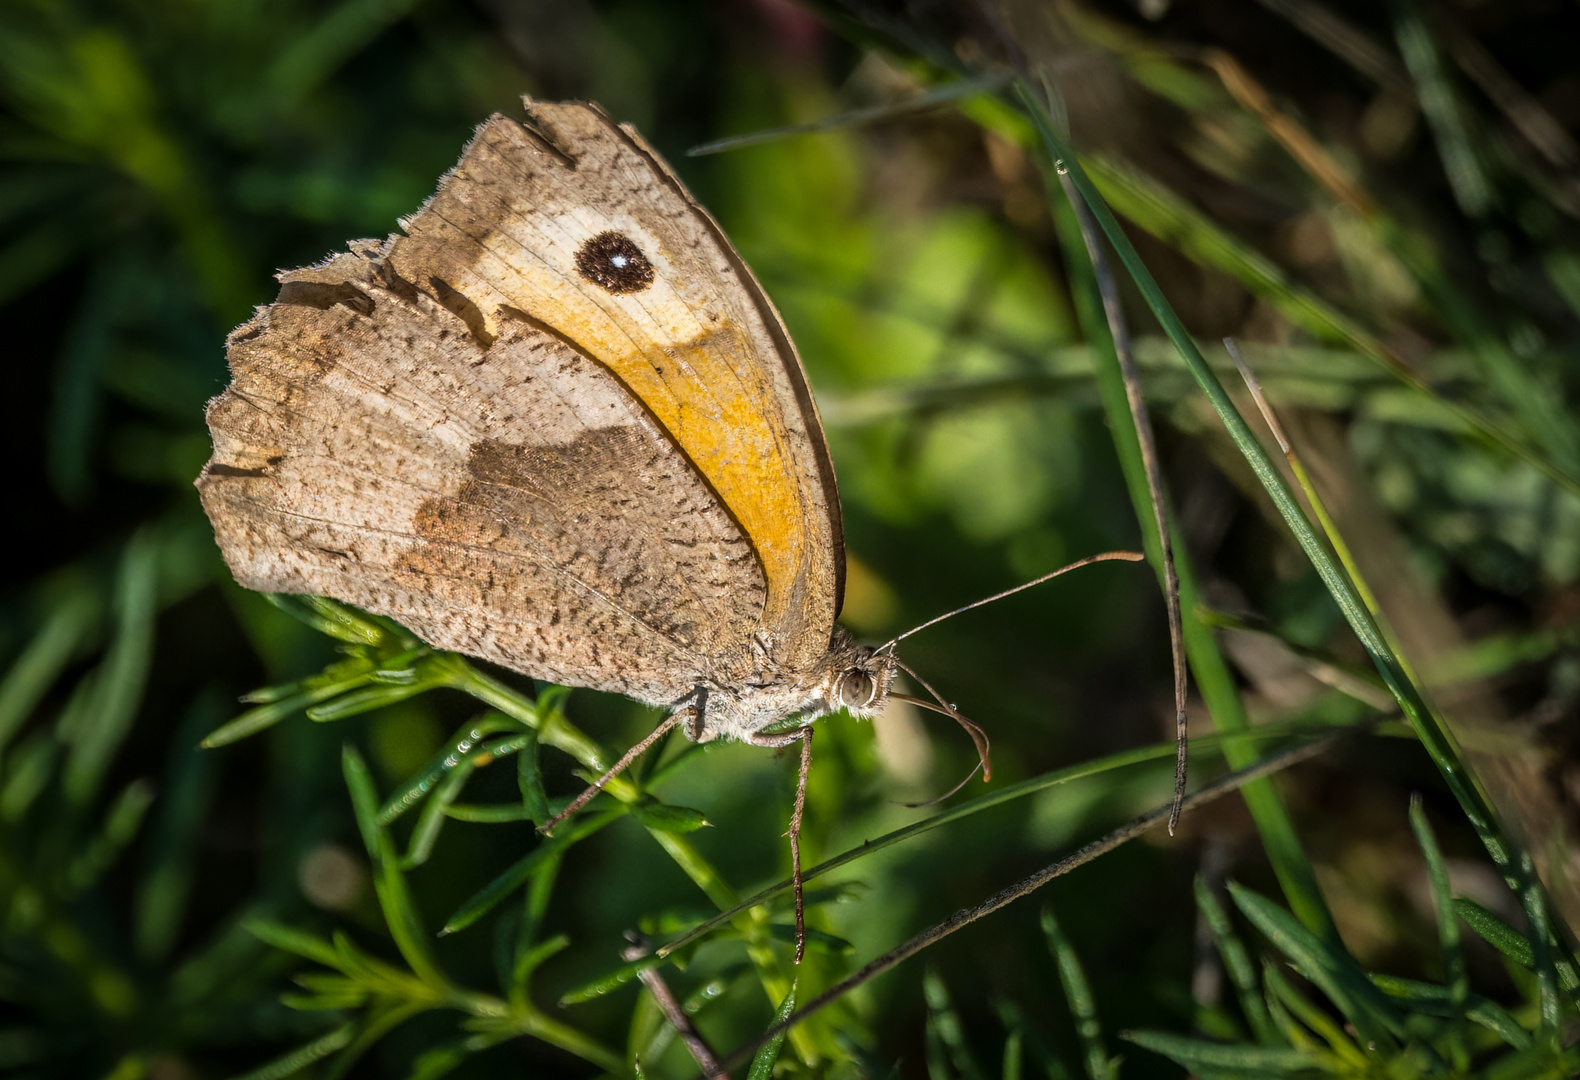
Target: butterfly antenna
978, 735
1107, 556
615, 770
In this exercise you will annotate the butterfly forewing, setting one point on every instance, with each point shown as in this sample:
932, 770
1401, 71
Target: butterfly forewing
557, 425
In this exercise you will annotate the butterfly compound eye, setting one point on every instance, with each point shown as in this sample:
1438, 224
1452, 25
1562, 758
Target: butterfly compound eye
856, 689
612, 261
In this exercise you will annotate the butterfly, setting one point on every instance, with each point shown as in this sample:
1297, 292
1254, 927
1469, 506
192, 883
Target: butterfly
555, 423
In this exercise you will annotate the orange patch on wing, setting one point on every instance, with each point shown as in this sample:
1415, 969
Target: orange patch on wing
726, 421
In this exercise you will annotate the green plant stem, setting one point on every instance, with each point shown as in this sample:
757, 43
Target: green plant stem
557, 732
553, 729
539, 1026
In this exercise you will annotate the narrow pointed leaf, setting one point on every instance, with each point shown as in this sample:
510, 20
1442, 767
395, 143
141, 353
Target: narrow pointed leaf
1257, 1060
763, 1062
669, 819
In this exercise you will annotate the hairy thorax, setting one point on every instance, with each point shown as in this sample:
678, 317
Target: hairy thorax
756, 707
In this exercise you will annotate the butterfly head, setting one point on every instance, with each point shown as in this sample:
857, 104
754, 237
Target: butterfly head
861, 679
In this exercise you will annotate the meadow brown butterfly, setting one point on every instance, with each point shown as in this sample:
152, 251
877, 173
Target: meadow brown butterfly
556, 424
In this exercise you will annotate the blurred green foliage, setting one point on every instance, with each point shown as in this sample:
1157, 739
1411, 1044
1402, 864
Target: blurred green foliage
1380, 203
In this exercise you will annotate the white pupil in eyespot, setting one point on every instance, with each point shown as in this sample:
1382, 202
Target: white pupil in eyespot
618, 261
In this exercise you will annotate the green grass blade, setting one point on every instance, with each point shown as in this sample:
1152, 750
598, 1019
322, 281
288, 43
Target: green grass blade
431, 820
1508, 941
289, 939
534, 957
1434, 1000
1078, 995
446, 759
517, 874
1378, 1023
1466, 178
372, 1026
608, 982
1194, 1054
1429, 727
1237, 964
980, 804
1447, 923
118, 684
121, 824
339, 621
388, 882
434, 812
529, 779
369, 698
1160, 212
1214, 681
1292, 1010
1013, 1052
186, 797
265, 716
29, 769
934, 1052
662, 817
763, 1063
489, 814
342, 33
550, 724
294, 1062
34, 671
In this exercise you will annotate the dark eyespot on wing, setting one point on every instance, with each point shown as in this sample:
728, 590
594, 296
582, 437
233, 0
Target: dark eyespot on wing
612, 261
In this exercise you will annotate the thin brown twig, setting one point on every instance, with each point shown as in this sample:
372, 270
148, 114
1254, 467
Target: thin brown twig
1147, 441
667, 1004
1306, 487
961, 919
795, 841
1254, 385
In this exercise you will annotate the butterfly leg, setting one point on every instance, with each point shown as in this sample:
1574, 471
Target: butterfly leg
696, 712
615, 770
803, 735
